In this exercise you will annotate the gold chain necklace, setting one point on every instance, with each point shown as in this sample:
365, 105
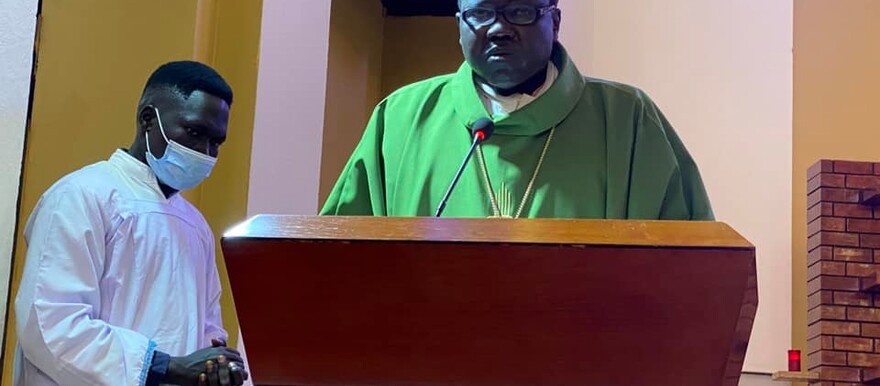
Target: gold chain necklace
496, 210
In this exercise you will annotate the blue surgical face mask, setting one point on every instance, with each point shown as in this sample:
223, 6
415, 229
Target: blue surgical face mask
180, 167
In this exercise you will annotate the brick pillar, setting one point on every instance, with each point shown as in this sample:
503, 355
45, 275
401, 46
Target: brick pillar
843, 259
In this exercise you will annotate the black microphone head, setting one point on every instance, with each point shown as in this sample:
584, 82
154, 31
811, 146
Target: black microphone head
484, 126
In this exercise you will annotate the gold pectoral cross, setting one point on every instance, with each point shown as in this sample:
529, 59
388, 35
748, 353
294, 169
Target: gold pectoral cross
502, 203
506, 205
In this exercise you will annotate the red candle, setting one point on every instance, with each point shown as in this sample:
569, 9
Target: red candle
794, 360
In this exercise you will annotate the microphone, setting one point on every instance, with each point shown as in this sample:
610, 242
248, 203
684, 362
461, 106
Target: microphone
482, 129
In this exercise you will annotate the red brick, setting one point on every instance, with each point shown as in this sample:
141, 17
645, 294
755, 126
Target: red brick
826, 313
832, 224
856, 225
851, 210
824, 343
820, 254
815, 197
867, 241
843, 374
871, 330
826, 180
821, 209
862, 359
853, 167
869, 284
837, 239
833, 328
860, 299
859, 269
876, 211
821, 166
845, 343
870, 376
828, 268
862, 314
862, 182
826, 358
869, 197
820, 298
853, 255
851, 196
836, 283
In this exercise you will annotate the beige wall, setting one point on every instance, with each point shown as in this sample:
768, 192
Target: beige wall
370, 56
354, 82
17, 27
286, 153
721, 72
836, 78
418, 48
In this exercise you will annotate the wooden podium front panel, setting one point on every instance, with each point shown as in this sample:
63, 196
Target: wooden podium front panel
450, 313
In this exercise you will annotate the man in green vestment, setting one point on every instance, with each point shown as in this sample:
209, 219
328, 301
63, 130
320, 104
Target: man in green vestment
564, 146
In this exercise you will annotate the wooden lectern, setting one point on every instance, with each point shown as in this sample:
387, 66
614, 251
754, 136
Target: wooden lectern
428, 301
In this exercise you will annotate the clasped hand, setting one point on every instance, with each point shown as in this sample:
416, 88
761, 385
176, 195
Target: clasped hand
213, 366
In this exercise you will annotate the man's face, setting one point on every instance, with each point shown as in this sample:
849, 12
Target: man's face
198, 123
502, 53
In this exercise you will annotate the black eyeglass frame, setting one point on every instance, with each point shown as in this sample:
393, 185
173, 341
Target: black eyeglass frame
540, 11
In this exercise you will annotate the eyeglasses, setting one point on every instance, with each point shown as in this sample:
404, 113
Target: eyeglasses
515, 14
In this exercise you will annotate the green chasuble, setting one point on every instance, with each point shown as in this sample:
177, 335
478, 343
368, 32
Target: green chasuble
613, 155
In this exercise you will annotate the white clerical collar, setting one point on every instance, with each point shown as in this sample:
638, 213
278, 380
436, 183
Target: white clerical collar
138, 175
497, 104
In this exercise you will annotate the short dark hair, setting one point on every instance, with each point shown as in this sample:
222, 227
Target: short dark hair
188, 76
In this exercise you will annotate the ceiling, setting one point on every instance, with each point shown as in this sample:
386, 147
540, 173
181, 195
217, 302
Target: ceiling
420, 7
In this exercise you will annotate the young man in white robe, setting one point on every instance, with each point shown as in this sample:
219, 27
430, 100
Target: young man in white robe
120, 286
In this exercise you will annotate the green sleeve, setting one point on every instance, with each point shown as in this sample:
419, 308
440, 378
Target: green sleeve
360, 189
664, 182
686, 197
